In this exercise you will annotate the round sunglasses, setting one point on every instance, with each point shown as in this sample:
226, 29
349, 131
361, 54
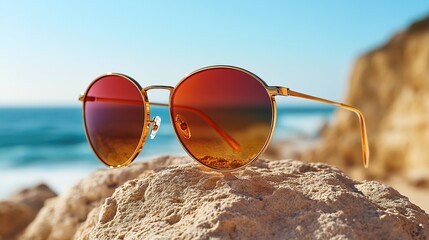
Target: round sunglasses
223, 116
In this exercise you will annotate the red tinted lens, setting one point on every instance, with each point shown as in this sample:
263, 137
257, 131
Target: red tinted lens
114, 115
223, 116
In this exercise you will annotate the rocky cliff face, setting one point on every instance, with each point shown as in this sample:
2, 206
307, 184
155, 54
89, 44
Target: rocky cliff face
391, 87
268, 200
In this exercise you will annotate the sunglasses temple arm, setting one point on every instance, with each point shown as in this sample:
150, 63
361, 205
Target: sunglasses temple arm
364, 138
111, 100
231, 141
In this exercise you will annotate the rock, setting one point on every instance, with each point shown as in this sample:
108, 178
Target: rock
61, 216
17, 211
271, 200
33, 197
390, 85
268, 200
14, 217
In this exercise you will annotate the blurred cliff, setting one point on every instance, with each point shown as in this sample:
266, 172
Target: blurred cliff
390, 85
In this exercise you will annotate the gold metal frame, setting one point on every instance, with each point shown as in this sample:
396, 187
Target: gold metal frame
273, 116
282, 91
272, 91
364, 138
146, 125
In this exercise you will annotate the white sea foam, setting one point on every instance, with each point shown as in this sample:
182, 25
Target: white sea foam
58, 178
52, 148
307, 125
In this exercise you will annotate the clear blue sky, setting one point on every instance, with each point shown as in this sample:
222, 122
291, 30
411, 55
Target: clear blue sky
50, 50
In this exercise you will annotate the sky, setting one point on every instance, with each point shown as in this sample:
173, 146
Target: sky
51, 50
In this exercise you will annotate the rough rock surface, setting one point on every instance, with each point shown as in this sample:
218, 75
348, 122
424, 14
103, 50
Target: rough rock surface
268, 200
61, 216
17, 211
391, 87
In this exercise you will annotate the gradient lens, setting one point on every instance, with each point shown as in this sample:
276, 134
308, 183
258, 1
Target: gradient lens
223, 116
114, 115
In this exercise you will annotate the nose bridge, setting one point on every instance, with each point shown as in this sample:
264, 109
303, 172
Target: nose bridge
159, 87
156, 121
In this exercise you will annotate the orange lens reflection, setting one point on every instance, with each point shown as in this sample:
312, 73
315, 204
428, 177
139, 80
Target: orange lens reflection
223, 116
114, 115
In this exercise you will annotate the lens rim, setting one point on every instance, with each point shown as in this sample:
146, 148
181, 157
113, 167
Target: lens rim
146, 117
273, 115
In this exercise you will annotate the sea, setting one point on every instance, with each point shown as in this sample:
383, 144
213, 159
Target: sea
48, 144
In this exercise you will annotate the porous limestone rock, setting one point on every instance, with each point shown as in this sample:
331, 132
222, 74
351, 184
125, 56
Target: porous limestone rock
268, 200
390, 85
171, 197
61, 216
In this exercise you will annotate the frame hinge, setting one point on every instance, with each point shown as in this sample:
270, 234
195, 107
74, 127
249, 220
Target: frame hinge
275, 90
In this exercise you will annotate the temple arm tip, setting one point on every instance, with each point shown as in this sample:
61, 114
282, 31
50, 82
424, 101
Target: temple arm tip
364, 138
366, 158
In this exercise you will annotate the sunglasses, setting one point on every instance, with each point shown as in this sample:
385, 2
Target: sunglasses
223, 116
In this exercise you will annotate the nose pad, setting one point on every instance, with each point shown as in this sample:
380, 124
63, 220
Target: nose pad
156, 123
182, 126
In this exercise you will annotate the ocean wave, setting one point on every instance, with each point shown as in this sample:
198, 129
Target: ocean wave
55, 136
